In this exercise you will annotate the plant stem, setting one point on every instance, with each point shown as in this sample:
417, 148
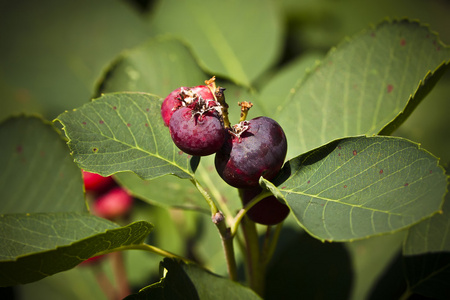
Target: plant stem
270, 244
103, 282
119, 270
149, 248
240, 215
224, 231
254, 273
227, 244
211, 204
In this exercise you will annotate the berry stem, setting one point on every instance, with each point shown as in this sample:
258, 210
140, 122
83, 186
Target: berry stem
245, 107
120, 274
220, 96
103, 282
240, 215
254, 271
224, 231
270, 244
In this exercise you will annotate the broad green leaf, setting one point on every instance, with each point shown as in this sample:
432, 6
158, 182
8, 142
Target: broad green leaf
166, 191
38, 174
426, 255
54, 51
125, 132
190, 281
431, 235
234, 39
367, 85
38, 245
158, 66
358, 187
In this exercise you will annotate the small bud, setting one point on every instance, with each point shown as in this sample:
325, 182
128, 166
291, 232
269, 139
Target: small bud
217, 218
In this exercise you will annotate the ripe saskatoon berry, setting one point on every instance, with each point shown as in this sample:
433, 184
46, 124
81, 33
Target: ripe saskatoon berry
258, 150
96, 183
170, 105
183, 96
197, 134
115, 203
268, 211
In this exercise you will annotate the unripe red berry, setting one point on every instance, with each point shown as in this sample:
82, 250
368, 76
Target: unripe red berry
114, 204
96, 183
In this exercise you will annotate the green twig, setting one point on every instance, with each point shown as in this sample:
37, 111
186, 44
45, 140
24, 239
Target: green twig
224, 231
238, 218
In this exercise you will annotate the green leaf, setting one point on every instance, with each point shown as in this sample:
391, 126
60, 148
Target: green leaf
183, 193
56, 50
38, 174
426, 255
190, 281
125, 132
277, 90
231, 39
39, 245
365, 84
158, 66
359, 187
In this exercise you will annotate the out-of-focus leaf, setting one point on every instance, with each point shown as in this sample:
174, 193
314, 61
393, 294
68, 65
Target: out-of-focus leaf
427, 255
369, 84
278, 89
54, 51
167, 191
35, 246
38, 174
305, 268
359, 187
233, 39
370, 260
158, 66
189, 281
125, 132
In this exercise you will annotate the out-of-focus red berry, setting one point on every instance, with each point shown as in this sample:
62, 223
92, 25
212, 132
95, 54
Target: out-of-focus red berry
113, 204
96, 183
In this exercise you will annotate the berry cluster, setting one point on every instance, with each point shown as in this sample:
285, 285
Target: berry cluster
197, 118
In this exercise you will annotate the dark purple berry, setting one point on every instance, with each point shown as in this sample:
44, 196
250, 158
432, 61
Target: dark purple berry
258, 148
268, 211
199, 133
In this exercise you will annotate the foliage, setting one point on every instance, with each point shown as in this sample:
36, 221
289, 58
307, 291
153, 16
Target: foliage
364, 196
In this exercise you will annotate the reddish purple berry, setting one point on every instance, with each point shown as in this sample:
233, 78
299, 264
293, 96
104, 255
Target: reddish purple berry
268, 211
170, 105
183, 96
197, 133
258, 148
